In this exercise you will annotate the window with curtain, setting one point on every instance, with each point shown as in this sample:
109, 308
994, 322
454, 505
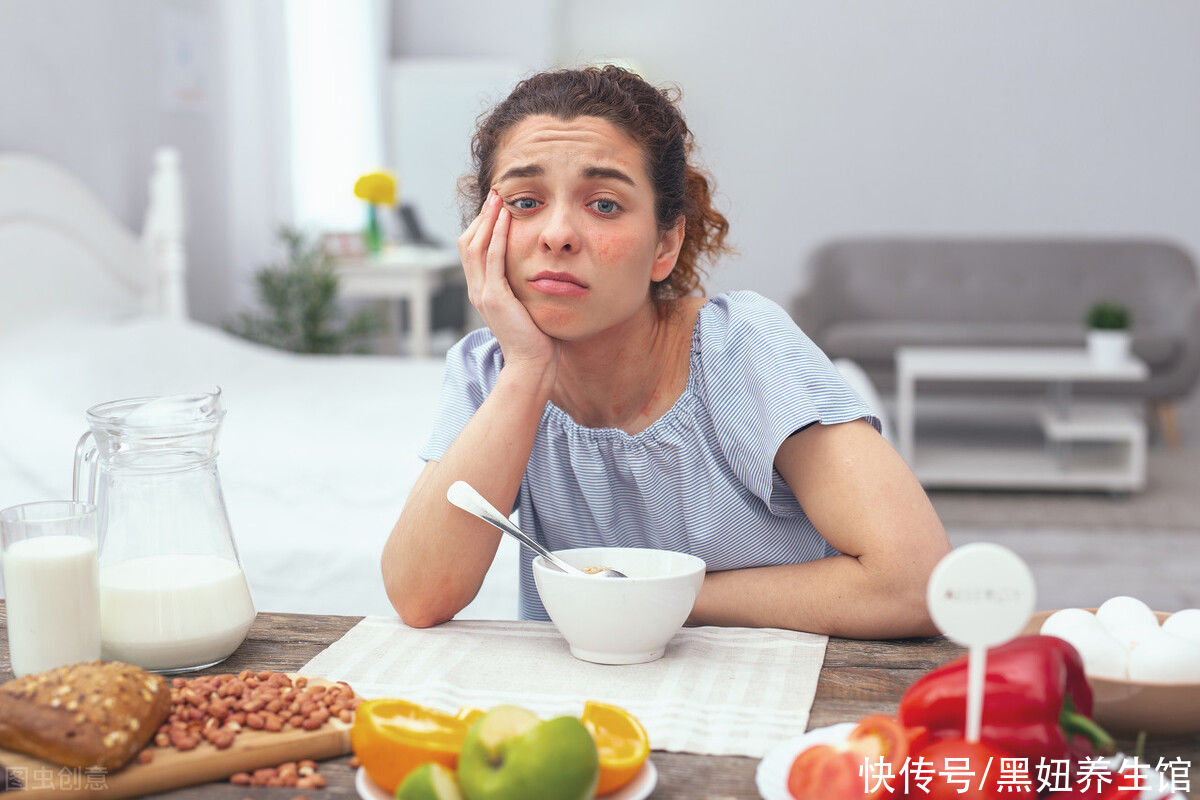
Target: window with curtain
337, 54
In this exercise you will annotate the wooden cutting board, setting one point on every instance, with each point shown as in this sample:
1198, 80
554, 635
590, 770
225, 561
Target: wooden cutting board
172, 769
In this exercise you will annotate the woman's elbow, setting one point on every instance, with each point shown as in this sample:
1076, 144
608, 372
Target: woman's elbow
419, 615
416, 608
901, 589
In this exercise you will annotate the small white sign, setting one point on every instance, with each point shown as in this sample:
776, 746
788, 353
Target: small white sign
981, 595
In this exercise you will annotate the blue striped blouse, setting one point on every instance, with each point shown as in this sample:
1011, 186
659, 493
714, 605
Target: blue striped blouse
701, 478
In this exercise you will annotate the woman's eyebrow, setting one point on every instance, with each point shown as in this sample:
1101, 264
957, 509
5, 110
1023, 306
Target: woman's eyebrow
608, 172
536, 170
527, 171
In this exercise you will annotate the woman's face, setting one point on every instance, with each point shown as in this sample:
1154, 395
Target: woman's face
583, 244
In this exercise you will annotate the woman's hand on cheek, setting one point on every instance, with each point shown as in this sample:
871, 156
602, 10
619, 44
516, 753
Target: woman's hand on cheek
483, 247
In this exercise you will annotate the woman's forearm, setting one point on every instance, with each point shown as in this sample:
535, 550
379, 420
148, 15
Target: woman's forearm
838, 596
437, 555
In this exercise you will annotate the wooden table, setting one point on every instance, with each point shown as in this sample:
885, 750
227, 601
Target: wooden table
857, 678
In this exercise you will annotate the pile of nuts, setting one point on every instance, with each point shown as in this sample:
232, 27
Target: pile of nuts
215, 708
301, 775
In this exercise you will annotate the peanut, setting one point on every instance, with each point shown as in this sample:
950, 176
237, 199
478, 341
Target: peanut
215, 708
145, 757
240, 778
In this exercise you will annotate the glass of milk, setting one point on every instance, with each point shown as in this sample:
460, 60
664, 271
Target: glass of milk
51, 580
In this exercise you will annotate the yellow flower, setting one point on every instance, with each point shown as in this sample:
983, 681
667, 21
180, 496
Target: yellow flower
378, 188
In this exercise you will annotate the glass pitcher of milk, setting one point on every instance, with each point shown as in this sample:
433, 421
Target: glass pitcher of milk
173, 596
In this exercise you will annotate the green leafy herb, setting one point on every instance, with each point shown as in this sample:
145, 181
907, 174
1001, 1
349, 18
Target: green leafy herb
299, 302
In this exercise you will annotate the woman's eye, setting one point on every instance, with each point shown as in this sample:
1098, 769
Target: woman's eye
532, 204
606, 206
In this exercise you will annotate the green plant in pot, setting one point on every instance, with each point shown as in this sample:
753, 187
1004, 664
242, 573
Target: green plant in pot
300, 309
1108, 332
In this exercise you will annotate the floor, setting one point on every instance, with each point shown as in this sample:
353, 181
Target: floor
1082, 566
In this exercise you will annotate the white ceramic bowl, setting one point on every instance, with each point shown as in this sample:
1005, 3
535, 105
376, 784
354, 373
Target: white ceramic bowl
1125, 706
620, 620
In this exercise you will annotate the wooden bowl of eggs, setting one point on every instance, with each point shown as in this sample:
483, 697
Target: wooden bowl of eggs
1143, 665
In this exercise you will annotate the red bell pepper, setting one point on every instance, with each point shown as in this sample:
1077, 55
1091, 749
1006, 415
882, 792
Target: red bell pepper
1035, 701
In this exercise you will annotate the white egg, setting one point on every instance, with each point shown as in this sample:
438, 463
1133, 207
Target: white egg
1069, 619
1184, 623
1103, 656
1165, 658
1128, 619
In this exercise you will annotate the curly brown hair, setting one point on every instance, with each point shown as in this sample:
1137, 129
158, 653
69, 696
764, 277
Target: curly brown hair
651, 117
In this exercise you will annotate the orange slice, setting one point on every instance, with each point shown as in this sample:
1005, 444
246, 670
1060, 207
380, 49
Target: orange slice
621, 743
391, 738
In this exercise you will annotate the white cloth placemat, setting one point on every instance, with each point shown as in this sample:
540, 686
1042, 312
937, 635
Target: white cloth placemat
717, 691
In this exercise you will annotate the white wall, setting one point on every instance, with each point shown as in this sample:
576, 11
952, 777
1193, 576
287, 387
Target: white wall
818, 119
830, 118
90, 86
79, 85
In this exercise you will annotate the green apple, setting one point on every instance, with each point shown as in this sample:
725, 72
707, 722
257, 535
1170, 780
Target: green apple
510, 754
429, 781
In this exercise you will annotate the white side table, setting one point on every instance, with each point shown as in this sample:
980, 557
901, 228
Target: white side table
1112, 425
403, 272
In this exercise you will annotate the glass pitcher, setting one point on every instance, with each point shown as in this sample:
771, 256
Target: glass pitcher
173, 596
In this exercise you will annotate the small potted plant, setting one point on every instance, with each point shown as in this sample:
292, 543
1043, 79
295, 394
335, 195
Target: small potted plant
1108, 332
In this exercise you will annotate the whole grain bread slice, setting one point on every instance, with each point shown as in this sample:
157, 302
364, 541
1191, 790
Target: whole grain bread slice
97, 714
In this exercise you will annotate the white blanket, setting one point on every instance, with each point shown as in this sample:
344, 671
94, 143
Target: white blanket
317, 453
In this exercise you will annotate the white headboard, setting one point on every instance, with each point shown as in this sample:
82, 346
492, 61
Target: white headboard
63, 253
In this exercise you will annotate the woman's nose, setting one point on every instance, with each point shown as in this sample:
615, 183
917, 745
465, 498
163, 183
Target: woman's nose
560, 233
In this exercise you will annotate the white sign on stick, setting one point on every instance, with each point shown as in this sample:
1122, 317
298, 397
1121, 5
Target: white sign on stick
980, 595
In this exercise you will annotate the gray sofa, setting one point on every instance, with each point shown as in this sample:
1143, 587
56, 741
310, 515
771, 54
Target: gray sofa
866, 297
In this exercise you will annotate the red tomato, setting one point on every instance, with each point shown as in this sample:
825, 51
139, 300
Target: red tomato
956, 763
835, 772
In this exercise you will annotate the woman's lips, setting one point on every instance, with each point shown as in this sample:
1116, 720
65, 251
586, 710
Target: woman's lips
558, 283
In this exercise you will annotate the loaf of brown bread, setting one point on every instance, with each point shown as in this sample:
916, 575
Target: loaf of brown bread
84, 715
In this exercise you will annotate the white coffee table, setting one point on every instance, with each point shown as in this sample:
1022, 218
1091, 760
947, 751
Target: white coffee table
1093, 445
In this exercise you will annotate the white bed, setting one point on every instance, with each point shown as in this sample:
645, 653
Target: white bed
317, 452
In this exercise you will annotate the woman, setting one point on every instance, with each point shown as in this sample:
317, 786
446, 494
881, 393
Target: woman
611, 406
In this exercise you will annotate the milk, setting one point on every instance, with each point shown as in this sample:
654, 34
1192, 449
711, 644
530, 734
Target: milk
173, 611
53, 616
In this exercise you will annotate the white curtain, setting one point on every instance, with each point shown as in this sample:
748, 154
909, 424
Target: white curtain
337, 55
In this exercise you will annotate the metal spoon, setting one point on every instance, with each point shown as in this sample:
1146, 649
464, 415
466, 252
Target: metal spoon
463, 495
